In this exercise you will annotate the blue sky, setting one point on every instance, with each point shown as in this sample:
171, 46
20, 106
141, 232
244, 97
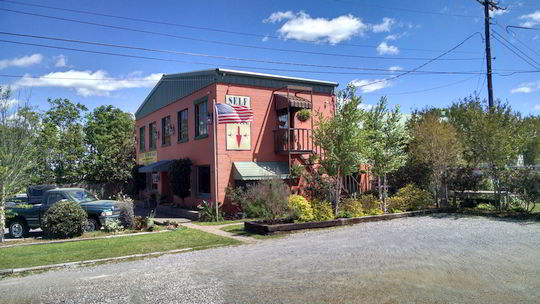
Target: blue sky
391, 32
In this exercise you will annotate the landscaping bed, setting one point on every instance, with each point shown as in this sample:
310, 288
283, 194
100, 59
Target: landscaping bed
264, 228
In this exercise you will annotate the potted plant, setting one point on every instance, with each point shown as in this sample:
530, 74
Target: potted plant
303, 115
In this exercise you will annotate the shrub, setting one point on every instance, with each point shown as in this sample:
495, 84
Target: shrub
65, 219
300, 208
486, 207
395, 202
239, 197
207, 212
126, 214
375, 211
319, 187
369, 201
411, 198
296, 171
180, 177
344, 214
352, 207
303, 115
322, 210
143, 223
112, 226
270, 197
396, 210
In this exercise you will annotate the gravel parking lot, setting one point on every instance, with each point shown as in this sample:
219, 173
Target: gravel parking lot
430, 259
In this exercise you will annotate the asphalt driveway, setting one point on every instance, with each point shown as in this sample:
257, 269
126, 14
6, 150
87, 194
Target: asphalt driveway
444, 259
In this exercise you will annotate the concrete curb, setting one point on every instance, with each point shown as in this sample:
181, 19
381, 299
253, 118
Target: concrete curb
84, 239
45, 267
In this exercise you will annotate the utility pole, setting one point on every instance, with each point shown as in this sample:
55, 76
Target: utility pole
488, 6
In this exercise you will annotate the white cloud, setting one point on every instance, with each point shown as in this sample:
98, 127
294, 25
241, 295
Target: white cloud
60, 61
370, 85
265, 38
530, 19
537, 107
396, 36
301, 26
385, 26
88, 83
384, 49
21, 61
526, 87
366, 106
395, 68
278, 16
498, 12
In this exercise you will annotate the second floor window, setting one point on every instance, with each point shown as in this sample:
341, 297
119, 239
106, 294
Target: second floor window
152, 136
166, 130
141, 138
201, 119
183, 125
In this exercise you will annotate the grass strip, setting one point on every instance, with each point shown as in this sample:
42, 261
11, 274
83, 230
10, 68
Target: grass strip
28, 256
224, 222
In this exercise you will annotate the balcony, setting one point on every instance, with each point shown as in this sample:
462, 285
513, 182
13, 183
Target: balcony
300, 141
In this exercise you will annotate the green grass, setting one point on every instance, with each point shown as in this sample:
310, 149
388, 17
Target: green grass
224, 222
36, 255
239, 230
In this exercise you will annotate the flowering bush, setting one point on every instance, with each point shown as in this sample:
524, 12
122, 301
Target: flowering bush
322, 211
300, 208
352, 207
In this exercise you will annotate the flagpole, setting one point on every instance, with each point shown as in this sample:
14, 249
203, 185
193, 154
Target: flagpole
214, 121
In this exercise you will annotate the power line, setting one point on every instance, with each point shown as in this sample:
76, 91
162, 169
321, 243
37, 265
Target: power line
515, 47
425, 90
221, 42
193, 54
515, 53
409, 10
218, 30
512, 72
522, 43
422, 65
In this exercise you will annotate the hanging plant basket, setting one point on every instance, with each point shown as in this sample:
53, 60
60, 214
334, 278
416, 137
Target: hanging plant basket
303, 115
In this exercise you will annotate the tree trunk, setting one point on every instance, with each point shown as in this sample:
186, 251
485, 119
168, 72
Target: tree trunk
379, 188
338, 191
2, 213
437, 197
385, 194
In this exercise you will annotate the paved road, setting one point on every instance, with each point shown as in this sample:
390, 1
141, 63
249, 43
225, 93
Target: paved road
414, 260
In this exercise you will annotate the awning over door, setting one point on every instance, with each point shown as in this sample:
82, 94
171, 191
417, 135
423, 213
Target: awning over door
260, 170
282, 102
162, 165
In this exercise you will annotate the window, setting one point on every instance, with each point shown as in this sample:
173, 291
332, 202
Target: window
166, 130
203, 180
152, 136
183, 125
201, 119
54, 197
141, 139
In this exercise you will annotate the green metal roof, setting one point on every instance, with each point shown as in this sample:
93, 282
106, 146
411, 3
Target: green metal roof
260, 170
172, 87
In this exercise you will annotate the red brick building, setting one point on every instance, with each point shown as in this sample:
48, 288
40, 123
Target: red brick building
176, 121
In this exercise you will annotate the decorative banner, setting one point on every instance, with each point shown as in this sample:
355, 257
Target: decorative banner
147, 158
238, 134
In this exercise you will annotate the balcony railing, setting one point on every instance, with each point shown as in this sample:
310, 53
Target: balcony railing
300, 141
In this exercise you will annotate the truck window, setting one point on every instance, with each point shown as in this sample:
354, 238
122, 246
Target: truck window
54, 197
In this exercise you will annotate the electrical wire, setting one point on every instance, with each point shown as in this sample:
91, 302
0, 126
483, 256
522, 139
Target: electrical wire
515, 53
196, 54
515, 47
424, 90
218, 30
223, 42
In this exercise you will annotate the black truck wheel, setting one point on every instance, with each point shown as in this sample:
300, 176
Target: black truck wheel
18, 228
92, 225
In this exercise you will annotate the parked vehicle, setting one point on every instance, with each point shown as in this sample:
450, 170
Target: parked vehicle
35, 193
30, 216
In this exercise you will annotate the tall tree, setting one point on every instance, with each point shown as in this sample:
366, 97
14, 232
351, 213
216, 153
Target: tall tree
387, 138
61, 144
435, 142
110, 143
531, 153
492, 136
342, 139
18, 127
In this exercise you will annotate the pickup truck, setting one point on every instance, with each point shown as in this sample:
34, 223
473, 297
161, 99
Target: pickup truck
30, 216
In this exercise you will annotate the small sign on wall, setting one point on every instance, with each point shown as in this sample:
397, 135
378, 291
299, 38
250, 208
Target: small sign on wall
155, 178
238, 134
147, 158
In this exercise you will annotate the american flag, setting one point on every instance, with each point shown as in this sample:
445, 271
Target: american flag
227, 113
